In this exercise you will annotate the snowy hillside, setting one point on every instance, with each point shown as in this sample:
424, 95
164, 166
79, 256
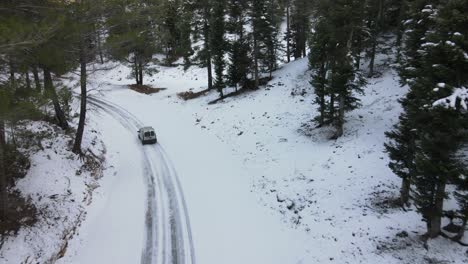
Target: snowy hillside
264, 186
233, 132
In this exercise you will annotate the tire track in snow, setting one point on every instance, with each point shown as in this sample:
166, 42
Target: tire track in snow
168, 234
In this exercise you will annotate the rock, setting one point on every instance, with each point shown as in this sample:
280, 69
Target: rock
290, 204
402, 234
279, 198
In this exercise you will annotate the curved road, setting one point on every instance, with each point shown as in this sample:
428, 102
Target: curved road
168, 235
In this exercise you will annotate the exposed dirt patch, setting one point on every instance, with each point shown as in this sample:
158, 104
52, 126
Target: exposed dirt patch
145, 89
192, 95
384, 199
20, 213
18, 164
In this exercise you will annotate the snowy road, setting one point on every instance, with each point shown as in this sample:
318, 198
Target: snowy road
168, 236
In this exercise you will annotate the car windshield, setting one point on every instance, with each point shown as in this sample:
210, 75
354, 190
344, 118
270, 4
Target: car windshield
148, 134
152, 133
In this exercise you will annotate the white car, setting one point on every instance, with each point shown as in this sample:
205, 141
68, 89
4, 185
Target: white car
147, 135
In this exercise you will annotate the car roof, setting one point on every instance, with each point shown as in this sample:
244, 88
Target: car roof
146, 129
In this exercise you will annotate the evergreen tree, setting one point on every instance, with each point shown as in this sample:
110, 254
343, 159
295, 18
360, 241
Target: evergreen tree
319, 64
402, 151
87, 15
218, 43
299, 27
54, 56
264, 22
132, 34
286, 5
202, 14
335, 73
239, 47
399, 20
435, 134
257, 14
175, 29
171, 35
272, 44
185, 29
375, 20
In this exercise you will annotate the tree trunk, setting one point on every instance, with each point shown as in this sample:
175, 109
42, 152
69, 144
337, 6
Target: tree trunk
2, 132
461, 232
405, 191
28, 81
3, 186
83, 81
49, 87
332, 106
304, 44
400, 30
398, 44
340, 121
206, 36
210, 71
375, 35
99, 45
322, 73
288, 31
372, 57
435, 220
140, 72
37, 81
12, 75
257, 77
358, 52
135, 67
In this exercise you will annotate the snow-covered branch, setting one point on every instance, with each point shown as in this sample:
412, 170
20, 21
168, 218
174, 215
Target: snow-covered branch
459, 95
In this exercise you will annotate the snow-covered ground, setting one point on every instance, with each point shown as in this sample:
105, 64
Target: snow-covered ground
61, 187
261, 184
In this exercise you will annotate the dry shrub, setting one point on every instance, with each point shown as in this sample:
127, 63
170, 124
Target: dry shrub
191, 95
145, 89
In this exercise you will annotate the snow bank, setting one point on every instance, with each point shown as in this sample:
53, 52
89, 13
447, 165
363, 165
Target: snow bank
61, 187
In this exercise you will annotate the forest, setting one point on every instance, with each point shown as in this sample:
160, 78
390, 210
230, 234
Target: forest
241, 44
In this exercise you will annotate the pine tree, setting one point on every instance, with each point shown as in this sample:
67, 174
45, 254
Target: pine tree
87, 15
287, 35
54, 56
375, 13
202, 14
171, 33
272, 44
425, 143
264, 22
402, 151
239, 61
319, 64
175, 29
257, 15
299, 27
185, 28
335, 73
218, 43
401, 7
132, 34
